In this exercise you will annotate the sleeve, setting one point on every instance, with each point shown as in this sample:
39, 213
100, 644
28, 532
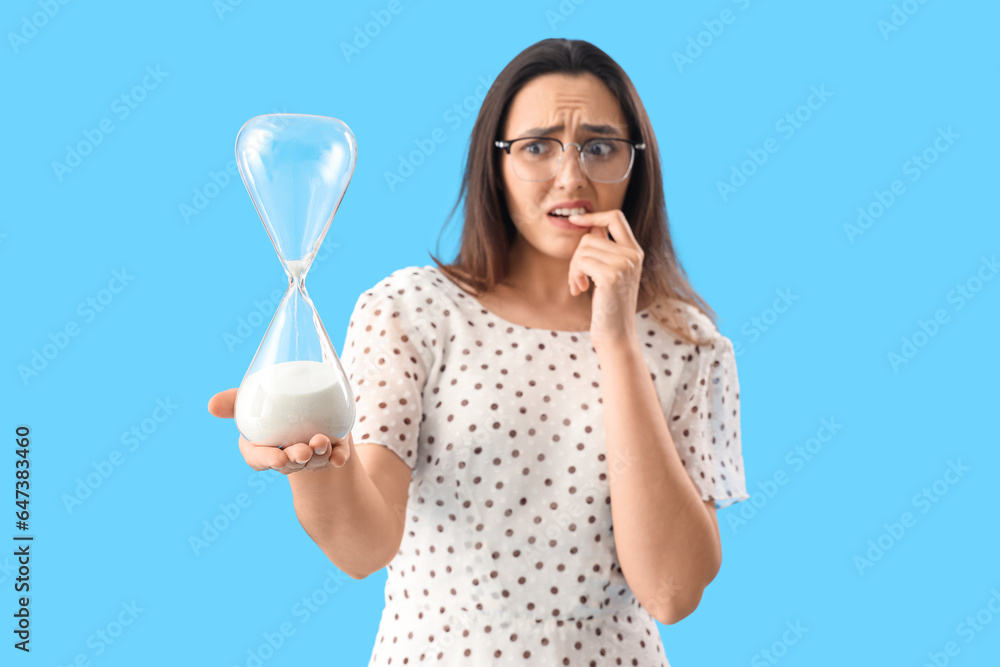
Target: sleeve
705, 423
386, 359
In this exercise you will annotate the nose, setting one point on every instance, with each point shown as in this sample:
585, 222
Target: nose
570, 172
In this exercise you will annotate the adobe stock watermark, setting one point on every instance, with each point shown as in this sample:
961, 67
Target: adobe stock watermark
550, 526
796, 458
961, 294
104, 468
757, 325
87, 310
104, 637
121, 107
900, 16
787, 126
914, 167
263, 310
8, 569
363, 35
779, 648
261, 313
453, 117
32, 23
467, 518
224, 7
968, 629
229, 511
303, 610
216, 183
562, 12
661, 603
703, 39
459, 622
923, 500
369, 366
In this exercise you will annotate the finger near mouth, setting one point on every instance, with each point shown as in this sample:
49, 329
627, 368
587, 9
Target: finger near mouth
567, 220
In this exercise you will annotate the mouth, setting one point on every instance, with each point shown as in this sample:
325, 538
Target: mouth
562, 223
560, 213
568, 208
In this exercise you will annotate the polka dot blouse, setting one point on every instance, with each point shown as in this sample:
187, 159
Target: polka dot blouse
508, 553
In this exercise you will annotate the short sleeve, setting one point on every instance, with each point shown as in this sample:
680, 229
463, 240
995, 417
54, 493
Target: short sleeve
386, 359
705, 422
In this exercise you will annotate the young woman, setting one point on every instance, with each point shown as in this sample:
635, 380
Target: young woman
547, 425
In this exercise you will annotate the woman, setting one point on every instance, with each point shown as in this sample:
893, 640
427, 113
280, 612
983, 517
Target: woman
557, 418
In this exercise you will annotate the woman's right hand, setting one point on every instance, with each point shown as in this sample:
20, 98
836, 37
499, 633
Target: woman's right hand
317, 454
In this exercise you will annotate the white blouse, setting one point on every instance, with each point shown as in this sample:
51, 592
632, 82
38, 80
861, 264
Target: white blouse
508, 553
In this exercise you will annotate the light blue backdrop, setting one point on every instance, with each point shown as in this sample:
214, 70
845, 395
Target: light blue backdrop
867, 345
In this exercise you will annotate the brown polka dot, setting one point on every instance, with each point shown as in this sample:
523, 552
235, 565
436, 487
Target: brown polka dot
412, 388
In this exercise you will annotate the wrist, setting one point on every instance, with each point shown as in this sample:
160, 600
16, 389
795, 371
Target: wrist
624, 349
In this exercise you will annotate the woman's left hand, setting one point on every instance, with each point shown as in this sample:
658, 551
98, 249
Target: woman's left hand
615, 266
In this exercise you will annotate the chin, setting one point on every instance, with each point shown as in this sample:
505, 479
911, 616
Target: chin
562, 248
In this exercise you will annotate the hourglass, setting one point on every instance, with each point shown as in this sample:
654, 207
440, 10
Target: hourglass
296, 168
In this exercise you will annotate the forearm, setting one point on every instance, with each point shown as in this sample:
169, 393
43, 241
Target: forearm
343, 511
667, 542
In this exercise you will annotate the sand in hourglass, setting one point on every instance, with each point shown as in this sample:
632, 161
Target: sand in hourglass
290, 402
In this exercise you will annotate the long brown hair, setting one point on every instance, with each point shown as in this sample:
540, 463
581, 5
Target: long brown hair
488, 233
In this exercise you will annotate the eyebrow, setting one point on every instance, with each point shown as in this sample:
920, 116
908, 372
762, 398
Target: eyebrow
596, 129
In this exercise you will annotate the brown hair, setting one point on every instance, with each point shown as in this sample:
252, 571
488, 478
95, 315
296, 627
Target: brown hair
488, 233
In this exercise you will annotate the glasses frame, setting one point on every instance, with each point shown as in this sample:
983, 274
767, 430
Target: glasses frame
635, 145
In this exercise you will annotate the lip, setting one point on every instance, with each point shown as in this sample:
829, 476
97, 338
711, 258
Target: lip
563, 223
579, 203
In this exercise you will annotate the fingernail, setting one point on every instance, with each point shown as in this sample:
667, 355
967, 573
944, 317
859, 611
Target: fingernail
321, 451
301, 462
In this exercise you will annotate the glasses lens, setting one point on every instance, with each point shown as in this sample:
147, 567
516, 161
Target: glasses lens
607, 160
604, 160
535, 159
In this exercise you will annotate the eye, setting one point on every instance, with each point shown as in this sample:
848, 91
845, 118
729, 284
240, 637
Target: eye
533, 147
600, 148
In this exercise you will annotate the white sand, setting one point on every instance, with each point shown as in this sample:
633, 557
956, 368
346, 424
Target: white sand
296, 267
291, 402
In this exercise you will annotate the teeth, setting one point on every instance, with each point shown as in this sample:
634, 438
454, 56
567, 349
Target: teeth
569, 211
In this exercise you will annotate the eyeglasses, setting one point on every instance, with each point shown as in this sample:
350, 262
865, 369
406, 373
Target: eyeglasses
602, 159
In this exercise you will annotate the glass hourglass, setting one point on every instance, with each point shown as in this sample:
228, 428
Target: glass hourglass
296, 168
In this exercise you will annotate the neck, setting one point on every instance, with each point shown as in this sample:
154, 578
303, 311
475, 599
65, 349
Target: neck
541, 279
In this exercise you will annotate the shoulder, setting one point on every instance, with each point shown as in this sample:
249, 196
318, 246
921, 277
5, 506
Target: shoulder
712, 350
701, 326
407, 296
711, 359
396, 307
399, 282
405, 289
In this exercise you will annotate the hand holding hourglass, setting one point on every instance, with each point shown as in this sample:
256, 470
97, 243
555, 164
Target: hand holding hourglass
294, 408
318, 453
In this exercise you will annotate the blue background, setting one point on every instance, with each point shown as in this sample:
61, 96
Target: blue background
790, 553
